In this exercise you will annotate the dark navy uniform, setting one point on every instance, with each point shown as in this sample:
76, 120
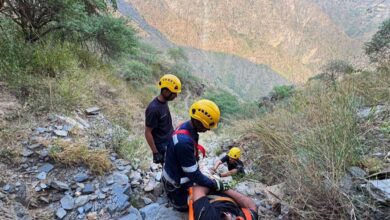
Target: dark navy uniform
181, 169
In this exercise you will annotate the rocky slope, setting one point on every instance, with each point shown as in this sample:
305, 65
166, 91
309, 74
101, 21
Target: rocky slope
294, 38
47, 174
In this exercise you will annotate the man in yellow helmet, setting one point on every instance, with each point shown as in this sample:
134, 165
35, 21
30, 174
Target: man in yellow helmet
158, 120
235, 165
181, 168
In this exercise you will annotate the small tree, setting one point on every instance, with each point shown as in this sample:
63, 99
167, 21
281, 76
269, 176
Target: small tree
335, 69
378, 49
87, 22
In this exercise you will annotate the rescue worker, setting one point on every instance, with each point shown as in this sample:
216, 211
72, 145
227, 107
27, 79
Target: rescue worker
227, 205
235, 165
181, 168
158, 120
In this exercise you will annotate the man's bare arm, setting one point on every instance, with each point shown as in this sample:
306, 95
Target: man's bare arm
149, 139
219, 162
242, 200
199, 192
229, 173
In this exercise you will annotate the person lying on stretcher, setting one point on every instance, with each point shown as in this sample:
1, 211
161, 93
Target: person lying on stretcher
229, 205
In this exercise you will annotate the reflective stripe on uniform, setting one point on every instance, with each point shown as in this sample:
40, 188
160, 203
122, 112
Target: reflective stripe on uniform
171, 181
190, 169
168, 178
175, 141
184, 180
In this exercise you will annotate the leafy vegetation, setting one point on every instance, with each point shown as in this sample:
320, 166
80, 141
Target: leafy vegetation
227, 103
231, 108
378, 49
281, 92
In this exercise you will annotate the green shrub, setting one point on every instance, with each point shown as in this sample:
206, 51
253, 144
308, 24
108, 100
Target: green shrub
137, 71
228, 104
52, 59
281, 92
14, 52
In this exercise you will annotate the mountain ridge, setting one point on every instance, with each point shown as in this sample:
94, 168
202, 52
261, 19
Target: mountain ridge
295, 37
216, 68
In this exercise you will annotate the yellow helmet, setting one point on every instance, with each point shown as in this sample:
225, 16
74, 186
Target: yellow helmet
234, 153
207, 112
170, 82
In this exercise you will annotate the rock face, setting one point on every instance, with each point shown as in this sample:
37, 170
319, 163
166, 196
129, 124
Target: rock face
155, 211
285, 43
217, 67
380, 190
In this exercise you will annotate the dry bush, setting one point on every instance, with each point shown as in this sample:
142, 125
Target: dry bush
309, 142
78, 154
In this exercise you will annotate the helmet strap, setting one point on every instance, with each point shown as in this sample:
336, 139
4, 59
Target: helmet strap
198, 126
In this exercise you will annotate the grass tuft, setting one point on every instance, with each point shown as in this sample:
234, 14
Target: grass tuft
78, 154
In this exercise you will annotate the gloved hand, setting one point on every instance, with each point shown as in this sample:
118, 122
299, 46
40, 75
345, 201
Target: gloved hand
221, 186
158, 158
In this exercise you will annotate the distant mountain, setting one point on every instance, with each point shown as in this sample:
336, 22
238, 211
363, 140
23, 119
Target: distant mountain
293, 37
358, 18
242, 77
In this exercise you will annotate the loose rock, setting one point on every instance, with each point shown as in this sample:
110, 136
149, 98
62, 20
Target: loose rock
150, 186
88, 189
27, 153
380, 190
92, 111
67, 202
59, 185
60, 213
61, 133
41, 176
356, 172
81, 200
47, 167
81, 177
147, 201
120, 178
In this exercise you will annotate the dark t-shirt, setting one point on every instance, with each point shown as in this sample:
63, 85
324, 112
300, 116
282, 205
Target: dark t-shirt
158, 117
238, 164
205, 210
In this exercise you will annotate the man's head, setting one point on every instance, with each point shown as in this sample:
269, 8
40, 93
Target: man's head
234, 154
204, 115
167, 94
170, 86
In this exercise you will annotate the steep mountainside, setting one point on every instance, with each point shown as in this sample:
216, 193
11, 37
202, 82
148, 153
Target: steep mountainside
242, 77
359, 19
294, 37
